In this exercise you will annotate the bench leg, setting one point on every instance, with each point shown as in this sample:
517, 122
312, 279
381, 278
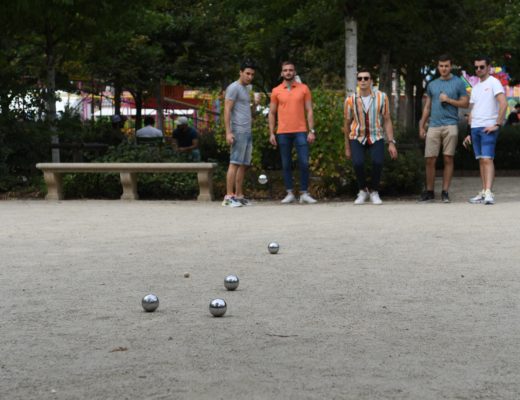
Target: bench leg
205, 179
53, 181
129, 183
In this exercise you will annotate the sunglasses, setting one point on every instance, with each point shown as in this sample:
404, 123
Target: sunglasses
477, 67
363, 78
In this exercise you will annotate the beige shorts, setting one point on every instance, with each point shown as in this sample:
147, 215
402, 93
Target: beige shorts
446, 135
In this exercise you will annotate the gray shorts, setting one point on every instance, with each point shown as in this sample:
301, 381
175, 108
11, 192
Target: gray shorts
242, 149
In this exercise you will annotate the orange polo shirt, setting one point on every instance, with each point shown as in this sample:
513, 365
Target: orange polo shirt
291, 107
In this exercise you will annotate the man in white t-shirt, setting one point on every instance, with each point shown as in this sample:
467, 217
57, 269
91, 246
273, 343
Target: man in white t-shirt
488, 108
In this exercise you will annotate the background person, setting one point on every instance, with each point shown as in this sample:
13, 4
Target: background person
149, 131
514, 117
186, 139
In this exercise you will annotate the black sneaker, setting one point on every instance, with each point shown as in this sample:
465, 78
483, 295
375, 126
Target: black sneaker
445, 197
426, 197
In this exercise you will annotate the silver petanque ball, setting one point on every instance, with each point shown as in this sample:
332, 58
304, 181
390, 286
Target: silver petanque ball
273, 247
262, 179
231, 282
150, 302
217, 307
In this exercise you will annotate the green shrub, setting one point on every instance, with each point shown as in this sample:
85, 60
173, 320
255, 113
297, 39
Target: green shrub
150, 186
332, 174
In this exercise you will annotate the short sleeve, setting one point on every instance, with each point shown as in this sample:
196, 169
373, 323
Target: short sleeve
348, 107
232, 92
385, 108
274, 96
308, 96
497, 87
429, 90
193, 134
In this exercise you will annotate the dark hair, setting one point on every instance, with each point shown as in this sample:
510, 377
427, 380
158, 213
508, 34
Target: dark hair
247, 63
364, 70
288, 62
445, 57
517, 105
149, 120
483, 58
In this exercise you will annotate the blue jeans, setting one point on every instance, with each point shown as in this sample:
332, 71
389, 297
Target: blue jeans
285, 142
377, 153
484, 143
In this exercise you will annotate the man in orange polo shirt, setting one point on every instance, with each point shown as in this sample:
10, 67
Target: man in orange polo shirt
291, 101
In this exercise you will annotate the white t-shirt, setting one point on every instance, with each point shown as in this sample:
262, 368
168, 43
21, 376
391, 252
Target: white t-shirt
148, 131
485, 105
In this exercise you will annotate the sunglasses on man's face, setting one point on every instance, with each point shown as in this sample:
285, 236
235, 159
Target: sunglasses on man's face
363, 78
477, 67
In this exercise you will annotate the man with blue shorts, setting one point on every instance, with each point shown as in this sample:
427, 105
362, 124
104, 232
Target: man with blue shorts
488, 108
237, 118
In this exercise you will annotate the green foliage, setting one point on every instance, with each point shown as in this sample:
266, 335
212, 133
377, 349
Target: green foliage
22, 145
150, 186
332, 173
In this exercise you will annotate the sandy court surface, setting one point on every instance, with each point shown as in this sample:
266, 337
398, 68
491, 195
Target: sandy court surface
401, 301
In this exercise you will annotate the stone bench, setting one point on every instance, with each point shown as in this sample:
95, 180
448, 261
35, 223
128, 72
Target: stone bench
53, 172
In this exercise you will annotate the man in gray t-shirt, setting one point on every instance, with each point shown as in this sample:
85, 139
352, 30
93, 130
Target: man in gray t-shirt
237, 118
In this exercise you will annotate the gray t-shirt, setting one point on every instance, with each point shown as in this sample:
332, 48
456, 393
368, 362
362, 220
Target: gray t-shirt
241, 111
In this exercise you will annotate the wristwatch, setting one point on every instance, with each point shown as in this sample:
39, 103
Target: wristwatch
392, 141
312, 131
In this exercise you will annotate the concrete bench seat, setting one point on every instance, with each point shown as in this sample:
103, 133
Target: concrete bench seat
52, 173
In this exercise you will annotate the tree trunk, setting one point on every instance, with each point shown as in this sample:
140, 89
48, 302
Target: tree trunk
409, 110
159, 117
350, 54
385, 73
117, 98
397, 100
50, 98
138, 99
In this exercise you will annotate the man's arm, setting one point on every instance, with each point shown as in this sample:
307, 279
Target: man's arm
311, 137
228, 106
502, 107
273, 108
462, 102
467, 140
389, 129
347, 121
425, 116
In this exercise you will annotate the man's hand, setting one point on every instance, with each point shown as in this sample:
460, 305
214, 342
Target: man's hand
443, 97
422, 132
230, 138
348, 152
311, 137
467, 141
272, 139
393, 151
491, 129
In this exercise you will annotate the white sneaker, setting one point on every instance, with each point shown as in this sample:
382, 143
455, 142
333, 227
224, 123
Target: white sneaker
489, 197
478, 199
231, 202
289, 198
362, 196
375, 199
307, 198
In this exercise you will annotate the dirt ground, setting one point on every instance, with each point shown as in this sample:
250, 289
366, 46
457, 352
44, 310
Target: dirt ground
401, 301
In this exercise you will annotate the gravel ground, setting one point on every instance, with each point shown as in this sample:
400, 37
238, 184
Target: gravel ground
401, 301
